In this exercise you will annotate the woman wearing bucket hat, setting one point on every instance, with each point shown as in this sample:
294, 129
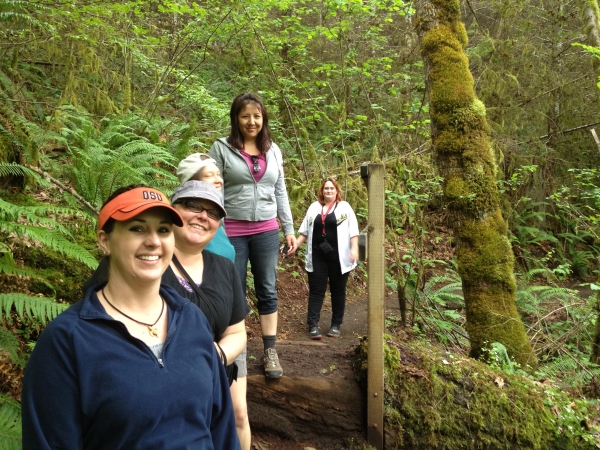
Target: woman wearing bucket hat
256, 196
202, 167
211, 282
132, 365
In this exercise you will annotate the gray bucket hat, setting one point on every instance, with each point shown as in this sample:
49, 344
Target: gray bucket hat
199, 189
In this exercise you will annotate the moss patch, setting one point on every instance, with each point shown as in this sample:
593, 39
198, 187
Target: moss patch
435, 400
63, 277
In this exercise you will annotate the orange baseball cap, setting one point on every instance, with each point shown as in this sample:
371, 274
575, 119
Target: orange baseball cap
131, 203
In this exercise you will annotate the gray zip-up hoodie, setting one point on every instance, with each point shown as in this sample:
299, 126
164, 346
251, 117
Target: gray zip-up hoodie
247, 199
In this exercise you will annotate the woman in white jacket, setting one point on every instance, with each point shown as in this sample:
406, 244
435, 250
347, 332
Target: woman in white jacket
330, 229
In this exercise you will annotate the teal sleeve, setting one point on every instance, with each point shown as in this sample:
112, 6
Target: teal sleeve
220, 245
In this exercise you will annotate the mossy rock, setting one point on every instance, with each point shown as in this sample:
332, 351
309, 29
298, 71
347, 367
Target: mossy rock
62, 277
19, 199
436, 400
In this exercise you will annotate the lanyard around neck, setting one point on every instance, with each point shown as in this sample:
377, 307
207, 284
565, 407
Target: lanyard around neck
323, 216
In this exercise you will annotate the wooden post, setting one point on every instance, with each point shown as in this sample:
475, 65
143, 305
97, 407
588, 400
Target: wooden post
376, 270
595, 136
363, 244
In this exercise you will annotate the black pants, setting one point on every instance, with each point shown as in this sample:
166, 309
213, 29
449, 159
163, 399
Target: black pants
326, 268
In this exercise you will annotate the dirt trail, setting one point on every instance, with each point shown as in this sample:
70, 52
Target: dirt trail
328, 360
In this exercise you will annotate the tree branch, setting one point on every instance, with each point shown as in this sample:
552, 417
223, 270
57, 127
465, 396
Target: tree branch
552, 90
572, 129
62, 186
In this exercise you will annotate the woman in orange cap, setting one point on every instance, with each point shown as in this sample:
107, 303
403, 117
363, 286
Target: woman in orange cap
133, 364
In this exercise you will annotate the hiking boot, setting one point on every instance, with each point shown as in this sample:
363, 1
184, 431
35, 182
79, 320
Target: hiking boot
334, 331
314, 332
272, 367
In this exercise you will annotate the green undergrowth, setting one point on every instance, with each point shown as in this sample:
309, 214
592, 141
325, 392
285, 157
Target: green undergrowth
57, 275
437, 400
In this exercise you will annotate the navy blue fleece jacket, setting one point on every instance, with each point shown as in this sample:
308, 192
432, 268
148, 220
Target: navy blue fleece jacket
90, 385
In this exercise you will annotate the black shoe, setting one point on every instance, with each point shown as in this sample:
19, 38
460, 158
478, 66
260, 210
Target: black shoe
334, 331
315, 333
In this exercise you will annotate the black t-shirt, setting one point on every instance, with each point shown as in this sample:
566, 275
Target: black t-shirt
220, 284
330, 230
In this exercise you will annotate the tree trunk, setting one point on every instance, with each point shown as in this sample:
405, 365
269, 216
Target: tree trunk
590, 14
461, 142
596, 343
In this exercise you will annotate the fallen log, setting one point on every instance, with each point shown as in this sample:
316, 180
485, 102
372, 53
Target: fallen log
314, 401
303, 409
437, 400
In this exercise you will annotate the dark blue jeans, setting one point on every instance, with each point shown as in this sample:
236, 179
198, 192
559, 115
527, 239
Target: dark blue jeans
326, 268
262, 250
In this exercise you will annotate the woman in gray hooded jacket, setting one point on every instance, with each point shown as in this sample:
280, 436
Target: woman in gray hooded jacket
255, 197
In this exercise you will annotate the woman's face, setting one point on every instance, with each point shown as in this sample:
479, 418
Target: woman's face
141, 248
329, 192
250, 121
198, 228
210, 173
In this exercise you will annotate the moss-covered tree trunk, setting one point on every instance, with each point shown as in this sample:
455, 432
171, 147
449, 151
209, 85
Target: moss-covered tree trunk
590, 14
461, 143
596, 343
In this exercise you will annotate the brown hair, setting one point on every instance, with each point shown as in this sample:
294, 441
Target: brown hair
235, 138
338, 196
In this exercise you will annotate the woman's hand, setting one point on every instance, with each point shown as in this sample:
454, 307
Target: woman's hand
353, 249
302, 238
291, 242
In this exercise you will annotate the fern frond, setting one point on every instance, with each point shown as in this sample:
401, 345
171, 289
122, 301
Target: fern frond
7, 85
558, 367
38, 308
115, 157
14, 169
535, 295
540, 271
10, 423
570, 371
444, 288
9, 343
27, 135
544, 293
37, 215
10, 137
